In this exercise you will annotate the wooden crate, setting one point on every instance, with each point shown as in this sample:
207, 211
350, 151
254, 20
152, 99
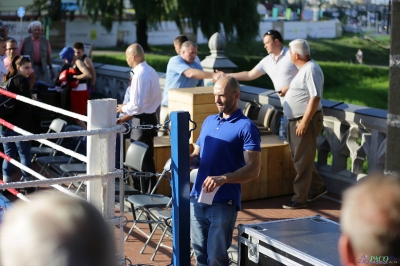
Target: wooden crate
198, 101
277, 171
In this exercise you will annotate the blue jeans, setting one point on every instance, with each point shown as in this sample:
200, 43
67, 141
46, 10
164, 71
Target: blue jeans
211, 231
10, 149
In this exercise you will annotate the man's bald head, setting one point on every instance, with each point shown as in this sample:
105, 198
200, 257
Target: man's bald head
226, 95
134, 55
136, 50
229, 83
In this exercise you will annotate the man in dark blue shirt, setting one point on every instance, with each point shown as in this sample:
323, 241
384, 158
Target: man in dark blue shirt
229, 152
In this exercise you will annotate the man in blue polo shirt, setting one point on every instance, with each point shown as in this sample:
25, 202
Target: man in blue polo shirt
229, 152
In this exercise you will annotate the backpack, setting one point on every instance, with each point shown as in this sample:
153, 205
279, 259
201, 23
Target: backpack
6, 103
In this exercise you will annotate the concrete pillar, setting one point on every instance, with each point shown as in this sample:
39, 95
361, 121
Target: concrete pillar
217, 60
392, 165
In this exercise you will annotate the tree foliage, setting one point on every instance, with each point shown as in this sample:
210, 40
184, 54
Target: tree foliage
237, 18
107, 10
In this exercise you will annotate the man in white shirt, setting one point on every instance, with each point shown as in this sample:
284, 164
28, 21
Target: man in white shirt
277, 64
145, 98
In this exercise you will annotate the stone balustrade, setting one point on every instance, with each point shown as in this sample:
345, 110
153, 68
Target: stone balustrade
353, 134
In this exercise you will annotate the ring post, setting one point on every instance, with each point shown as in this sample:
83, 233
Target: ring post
101, 156
180, 187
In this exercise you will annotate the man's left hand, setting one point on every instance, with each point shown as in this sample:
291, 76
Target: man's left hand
119, 108
301, 128
212, 182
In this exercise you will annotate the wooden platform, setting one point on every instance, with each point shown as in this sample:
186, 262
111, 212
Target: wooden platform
275, 179
198, 101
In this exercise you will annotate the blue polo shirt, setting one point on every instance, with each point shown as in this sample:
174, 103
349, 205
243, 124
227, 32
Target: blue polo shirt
222, 143
175, 78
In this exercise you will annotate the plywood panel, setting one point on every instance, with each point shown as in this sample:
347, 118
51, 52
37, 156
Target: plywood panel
209, 108
263, 186
199, 102
276, 173
197, 95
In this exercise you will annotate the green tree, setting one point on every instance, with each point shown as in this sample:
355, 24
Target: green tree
53, 8
149, 13
238, 18
106, 11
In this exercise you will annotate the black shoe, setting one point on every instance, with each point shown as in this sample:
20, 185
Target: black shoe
294, 205
314, 197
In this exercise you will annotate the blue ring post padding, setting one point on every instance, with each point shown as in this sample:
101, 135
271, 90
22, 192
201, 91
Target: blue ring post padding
180, 187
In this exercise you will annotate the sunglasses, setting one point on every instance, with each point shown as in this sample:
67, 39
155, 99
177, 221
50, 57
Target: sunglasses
274, 33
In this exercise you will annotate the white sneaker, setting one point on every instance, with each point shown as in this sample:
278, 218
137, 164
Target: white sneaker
286, 141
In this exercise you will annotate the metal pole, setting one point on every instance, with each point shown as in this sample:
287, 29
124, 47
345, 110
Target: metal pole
392, 165
389, 17
20, 29
180, 188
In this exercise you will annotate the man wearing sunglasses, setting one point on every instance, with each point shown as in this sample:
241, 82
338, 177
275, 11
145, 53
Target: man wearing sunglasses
277, 64
11, 52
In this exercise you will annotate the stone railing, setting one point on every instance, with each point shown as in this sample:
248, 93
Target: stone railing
353, 134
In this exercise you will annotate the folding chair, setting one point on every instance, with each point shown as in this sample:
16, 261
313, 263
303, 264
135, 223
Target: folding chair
74, 169
56, 126
134, 160
143, 202
55, 160
264, 119
163, 217
245, 106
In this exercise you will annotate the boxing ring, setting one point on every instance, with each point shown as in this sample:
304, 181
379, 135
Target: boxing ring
101, 172
100, 159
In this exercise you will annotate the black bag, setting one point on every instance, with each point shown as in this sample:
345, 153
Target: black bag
6, 103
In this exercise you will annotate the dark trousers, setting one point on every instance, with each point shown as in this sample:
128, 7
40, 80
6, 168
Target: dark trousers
303, 151
147, 137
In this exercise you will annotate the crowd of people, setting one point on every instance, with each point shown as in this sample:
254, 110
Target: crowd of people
297, 79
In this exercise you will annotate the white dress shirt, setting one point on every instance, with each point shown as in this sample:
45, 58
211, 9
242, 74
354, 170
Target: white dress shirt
145, 91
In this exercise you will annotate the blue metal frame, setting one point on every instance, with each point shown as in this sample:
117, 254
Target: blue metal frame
180, 187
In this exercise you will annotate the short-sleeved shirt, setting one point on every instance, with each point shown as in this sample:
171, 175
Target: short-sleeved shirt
308, 83
176, 79
281, 71
222, 142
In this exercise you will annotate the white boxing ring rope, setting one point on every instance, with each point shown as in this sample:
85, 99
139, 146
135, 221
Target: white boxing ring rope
78, 133
25, 136
43, 105
40, 137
